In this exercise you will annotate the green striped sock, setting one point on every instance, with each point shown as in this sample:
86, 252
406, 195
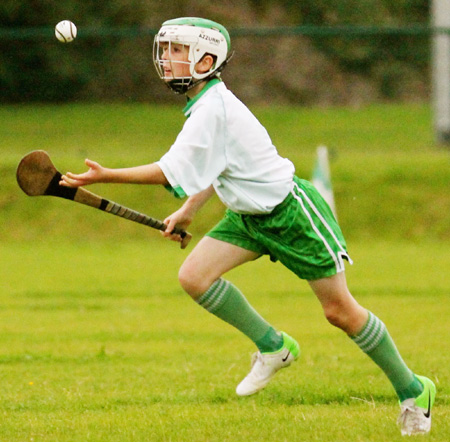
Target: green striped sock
375, 341
225, 301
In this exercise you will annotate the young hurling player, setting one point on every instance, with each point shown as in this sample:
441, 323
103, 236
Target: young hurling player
222, 148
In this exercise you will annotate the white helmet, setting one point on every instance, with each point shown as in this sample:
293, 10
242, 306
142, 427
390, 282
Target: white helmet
202, 37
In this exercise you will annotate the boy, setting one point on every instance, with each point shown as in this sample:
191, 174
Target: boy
222, 148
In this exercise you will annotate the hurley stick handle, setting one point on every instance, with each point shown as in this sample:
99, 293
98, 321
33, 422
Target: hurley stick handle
133, 215
83, 196
36, 176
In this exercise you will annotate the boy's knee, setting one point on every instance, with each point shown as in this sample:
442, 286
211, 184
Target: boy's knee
334, 314
348, 318
191, 282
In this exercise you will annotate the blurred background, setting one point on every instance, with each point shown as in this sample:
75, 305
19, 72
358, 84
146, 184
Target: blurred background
356, 76
309, 52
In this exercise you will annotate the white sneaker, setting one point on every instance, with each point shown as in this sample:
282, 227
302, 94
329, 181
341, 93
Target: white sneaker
265, 365
415, 414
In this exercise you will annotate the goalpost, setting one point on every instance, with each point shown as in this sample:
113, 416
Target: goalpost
440, 16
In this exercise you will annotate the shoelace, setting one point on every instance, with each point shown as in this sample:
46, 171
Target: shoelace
405, 412
410, 416
257, 365
257, 356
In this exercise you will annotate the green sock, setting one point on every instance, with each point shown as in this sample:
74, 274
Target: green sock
225, 301
375, 341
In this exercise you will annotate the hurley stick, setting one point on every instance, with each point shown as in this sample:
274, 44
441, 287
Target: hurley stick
36, 176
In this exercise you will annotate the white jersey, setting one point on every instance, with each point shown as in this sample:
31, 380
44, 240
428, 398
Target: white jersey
223, 144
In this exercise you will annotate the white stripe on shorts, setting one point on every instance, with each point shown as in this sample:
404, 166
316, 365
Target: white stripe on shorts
337, 258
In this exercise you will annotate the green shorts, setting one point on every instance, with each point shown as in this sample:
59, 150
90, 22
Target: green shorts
301, 232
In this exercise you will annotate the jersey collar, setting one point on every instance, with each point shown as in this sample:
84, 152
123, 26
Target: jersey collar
192, 101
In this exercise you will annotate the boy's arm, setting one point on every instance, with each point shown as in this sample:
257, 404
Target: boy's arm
146, 174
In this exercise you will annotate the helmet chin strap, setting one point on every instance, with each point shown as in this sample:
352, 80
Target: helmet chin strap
181, 86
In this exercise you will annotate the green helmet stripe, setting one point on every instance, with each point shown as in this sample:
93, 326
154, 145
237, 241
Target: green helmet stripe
201, 23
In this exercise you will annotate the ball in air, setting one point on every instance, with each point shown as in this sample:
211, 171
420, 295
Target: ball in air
65, 31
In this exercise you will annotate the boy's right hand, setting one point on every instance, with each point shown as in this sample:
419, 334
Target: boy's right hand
95, 174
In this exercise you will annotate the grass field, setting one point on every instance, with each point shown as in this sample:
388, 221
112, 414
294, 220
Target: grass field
99, 343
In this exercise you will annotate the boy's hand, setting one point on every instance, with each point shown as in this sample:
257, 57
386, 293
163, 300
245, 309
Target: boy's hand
179, 219
95, 174
185, 214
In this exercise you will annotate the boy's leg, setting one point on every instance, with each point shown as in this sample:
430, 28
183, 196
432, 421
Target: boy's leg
372, 337
225, 300
200, 276
367, 331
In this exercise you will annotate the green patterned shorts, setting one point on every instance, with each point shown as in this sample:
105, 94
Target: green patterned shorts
301, 232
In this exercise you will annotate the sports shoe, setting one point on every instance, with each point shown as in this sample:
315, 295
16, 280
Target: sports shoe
265, 365
415, 415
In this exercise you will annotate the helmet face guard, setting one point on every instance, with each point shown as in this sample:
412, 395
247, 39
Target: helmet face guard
196, 38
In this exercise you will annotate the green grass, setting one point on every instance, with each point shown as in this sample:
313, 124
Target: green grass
98, 342
389, 179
